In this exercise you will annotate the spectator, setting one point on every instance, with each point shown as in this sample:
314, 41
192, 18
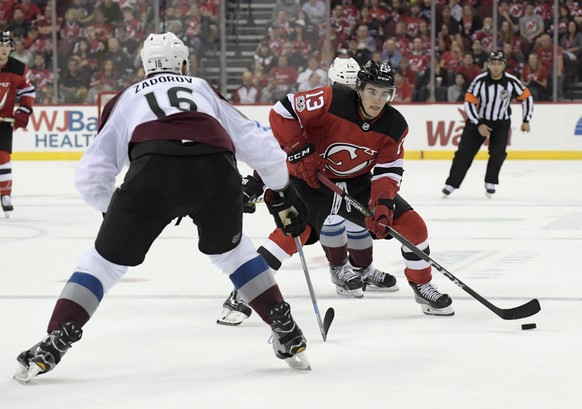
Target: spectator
282, 22
135, 28
20, 53
564, 17
531, 25
31, 10
341, 27
102, 80
366, 19
485, 34
423, 86
447, 19
259, 75
412, 20
120, 59
127, 44
19, 25
312, 66
470, 23
514, 65
6, 12
299, 38
365, 40
403, 89
506, 17
270, 94
73, 82
87, 60
276, 38
390, 53
112, 12
315, 10
265, 55
40, 74
456, 10
418, 58
535, 77
44, 22
291, 7
450, 61
507, 35
284, 74
571, 43
361, 54
545, 50
247, 93
479, 55
401, 38
314, 81
294, 58
468, 68
70, 31
405, 70
456, 92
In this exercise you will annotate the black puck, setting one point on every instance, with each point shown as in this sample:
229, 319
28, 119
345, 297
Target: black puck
528, 326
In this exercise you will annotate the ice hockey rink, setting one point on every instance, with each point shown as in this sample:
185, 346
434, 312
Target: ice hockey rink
154, 343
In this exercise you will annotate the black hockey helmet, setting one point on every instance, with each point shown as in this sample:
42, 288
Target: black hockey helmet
7, 38
497, 56
381, 75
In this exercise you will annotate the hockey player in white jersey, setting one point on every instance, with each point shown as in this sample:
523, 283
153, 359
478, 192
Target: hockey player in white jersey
179, 136
347, 246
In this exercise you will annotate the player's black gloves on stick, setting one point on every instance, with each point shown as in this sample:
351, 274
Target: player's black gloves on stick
252, 189
288, 210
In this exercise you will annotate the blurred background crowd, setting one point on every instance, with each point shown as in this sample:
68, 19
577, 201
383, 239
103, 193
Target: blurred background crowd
293, 41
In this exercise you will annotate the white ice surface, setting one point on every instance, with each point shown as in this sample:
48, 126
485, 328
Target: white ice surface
154, 343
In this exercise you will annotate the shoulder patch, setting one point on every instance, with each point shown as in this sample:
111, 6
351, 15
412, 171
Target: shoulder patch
300, 103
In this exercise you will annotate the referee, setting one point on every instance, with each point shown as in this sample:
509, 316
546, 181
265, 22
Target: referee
488, 116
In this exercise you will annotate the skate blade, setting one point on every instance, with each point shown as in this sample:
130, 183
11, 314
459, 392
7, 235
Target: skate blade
374, 289
357, 293
445, 312
231, 318
299, 361
25, 375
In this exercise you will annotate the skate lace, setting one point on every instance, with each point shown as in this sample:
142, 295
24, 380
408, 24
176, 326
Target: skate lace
373, 274
429, 291
344, 273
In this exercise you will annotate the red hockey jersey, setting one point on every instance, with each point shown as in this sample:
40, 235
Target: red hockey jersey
14, 83
346, 143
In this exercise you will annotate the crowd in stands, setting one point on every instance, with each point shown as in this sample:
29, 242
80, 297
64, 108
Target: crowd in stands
292, 55
98, 41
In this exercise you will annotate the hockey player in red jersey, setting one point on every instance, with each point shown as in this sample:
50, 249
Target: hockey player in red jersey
347, 246
14, 86
356, 138
180, 137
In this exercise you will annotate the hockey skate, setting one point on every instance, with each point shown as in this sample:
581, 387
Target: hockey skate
432, 302
489, 190
376, 280
7, 207
289, 343
234, 310
346, 281
45, 355
447, 190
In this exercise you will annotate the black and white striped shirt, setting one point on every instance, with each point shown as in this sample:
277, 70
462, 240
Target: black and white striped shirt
489, 100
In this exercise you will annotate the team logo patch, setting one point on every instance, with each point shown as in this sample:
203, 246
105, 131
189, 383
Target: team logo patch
345, 159
300, 104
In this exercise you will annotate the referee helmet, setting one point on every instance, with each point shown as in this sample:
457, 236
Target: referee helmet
497, 56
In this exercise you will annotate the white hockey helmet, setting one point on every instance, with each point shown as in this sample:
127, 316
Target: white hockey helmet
343, 71
164, 53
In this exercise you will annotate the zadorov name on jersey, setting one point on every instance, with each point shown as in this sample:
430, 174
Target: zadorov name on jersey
160, 79
63, 140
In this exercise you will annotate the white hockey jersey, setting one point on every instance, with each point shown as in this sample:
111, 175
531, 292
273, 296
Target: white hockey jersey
173, 107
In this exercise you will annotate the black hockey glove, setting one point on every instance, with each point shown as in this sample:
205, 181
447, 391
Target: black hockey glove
252, 190
288, 209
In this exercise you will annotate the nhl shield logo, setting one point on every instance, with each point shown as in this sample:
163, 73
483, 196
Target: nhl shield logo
365, 126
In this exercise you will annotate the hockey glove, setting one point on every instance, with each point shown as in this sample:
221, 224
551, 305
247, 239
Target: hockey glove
252, 189
288, 209
21, 116
383, 216
304, 164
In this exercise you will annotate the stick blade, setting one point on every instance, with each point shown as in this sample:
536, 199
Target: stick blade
523, 311
327, 320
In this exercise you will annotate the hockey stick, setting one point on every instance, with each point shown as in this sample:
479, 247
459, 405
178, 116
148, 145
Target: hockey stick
526, 310
330, 313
